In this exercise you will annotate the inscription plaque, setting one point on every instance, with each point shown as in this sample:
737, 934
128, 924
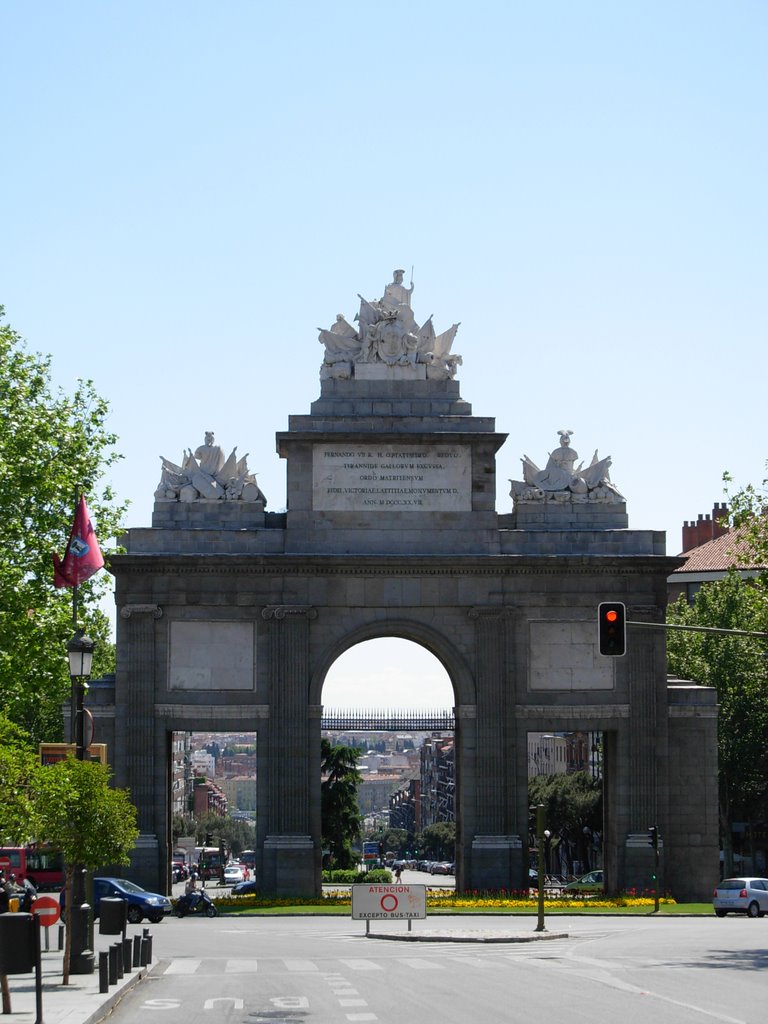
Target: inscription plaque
392, 477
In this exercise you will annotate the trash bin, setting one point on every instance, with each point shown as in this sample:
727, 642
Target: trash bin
13, 904
17, 943
112, 911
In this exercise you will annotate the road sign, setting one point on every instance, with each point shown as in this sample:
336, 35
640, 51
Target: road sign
47, 909
5, 863
389, 902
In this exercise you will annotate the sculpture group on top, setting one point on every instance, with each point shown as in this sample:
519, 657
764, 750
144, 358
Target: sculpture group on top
561, 480
388, 334
208, 474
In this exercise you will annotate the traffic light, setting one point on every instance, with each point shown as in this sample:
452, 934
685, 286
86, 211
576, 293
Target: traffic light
653, 837
612, 628
208, 838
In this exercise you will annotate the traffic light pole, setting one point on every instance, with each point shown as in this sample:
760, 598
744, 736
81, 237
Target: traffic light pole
696, 629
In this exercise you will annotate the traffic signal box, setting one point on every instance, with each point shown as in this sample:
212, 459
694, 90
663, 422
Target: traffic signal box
612, 628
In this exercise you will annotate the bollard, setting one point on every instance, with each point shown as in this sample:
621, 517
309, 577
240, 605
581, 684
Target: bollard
61, 938
144, 951
103, 971
149, 947
136, 951
112, 965
119, 959
127, 945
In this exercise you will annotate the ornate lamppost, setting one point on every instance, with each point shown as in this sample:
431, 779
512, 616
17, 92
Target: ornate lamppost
80, 653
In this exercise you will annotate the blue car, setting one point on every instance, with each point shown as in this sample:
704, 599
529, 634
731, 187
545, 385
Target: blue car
141, 903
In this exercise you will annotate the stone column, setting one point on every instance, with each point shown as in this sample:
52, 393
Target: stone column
496, 848
289, 849
138, 731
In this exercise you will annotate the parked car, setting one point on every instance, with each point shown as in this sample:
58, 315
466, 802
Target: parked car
141, 903
591, 882
233, 874
741, 896
441, 867
245, 889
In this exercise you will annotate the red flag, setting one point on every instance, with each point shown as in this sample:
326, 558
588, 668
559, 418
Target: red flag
83, 556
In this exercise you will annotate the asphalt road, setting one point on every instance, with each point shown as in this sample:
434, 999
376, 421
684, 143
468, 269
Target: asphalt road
323, 970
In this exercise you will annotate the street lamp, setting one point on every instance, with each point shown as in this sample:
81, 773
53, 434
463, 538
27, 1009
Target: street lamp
80, 654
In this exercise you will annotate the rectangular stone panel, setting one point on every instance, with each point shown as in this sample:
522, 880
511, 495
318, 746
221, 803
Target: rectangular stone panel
405, 477
563, 655
212, 656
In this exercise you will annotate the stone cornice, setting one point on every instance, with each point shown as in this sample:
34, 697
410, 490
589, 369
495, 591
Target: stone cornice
395, 565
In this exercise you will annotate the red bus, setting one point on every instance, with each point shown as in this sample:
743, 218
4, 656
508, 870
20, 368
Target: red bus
42, 865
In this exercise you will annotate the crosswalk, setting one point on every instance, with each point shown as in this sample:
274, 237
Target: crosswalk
439, 958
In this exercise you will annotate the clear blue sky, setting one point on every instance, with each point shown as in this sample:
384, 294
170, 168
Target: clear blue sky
188, 190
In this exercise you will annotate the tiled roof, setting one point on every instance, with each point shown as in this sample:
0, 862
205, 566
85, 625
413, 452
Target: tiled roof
717, 555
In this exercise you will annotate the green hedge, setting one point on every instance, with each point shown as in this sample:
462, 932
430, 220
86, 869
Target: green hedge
352, 877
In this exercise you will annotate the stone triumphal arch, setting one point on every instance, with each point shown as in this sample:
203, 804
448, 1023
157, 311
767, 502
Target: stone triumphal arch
229, 617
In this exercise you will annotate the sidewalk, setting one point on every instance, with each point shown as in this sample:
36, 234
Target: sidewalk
80, 1002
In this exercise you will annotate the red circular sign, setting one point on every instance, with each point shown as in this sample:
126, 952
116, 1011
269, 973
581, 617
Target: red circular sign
389, 902
47, 909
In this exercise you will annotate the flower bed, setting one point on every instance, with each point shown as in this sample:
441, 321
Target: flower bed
446, 899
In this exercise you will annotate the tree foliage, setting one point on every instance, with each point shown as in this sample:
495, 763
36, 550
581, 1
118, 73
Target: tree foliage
51, 444
747, 512
18, 766
92, 824
736, 667
573, 812
438, 841
341, 821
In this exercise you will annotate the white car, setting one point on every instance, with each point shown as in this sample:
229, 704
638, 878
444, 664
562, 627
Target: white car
233, 874
741, 896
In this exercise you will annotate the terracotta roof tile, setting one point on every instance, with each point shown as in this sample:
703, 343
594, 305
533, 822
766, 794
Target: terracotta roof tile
717, 555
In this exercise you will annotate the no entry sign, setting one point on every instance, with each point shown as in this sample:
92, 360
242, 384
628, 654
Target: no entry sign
47, 909
389, 902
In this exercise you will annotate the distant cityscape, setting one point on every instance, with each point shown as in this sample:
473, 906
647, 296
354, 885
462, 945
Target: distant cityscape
408, 779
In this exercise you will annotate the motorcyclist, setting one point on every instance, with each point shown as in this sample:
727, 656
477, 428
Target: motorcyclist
191, 891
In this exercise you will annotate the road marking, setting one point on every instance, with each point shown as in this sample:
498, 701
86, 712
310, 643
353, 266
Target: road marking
361, 1016
353, 1002
182, 966
210, 1004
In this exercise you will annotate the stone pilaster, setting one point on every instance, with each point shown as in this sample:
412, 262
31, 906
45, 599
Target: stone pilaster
289, 851
491, 667
139, 724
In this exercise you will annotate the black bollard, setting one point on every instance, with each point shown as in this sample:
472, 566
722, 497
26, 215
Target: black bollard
149, 947
119, 959
144, 951
127, 945
136, 950
103, 971
112, 965
61, 938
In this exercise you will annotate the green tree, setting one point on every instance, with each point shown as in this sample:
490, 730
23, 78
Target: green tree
573, 811
234, 834
747, 509
341, 822
51, 443
18, 767
92, 824
438, 841
736, 667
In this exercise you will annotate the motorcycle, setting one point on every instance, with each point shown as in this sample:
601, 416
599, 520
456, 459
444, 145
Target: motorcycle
198, 902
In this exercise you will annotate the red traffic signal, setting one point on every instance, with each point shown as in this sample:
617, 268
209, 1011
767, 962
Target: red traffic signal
612, 628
